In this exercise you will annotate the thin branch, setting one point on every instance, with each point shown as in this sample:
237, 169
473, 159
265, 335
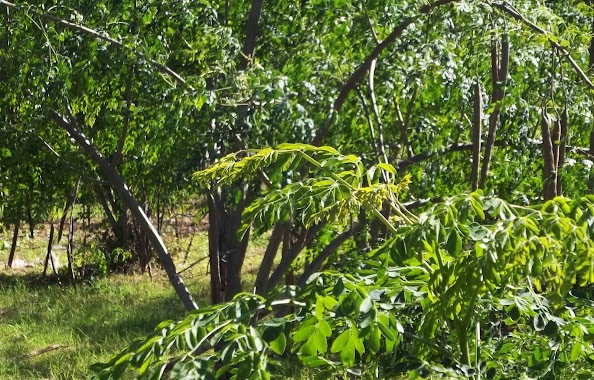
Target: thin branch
359, 73
403, 164
101, 36
249, 45
510, 10
317, 262
380, 133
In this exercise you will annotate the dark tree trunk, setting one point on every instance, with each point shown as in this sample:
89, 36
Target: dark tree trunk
477, 127
48, 256
118, 183
15, 238
269, 256
549, 172
562, 146
70, 245
251, 34
30, 220
499, 69
291, 249
317, 262
216, 285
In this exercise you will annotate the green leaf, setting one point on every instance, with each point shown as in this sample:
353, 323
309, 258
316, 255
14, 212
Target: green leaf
366, 305
325, 328
575, 351
383, 324
303, 333
454, 243
347, 354
279, 345
341, 341
320, 342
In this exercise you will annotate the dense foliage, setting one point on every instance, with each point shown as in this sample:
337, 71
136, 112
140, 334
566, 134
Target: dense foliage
113, 106
474, 286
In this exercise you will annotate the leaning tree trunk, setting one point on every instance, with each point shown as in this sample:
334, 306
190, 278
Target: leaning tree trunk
137, 212
477, 121
549, 169
15, 238
591, 71
499, 68
562, 146
226, 250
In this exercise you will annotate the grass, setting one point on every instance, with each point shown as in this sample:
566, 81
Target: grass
90, 322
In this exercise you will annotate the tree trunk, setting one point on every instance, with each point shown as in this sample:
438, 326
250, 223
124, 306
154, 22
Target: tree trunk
477, 121
70, 245
216, 286
137, 212
48, 255
317, 262
269, 256
15, 238
291, 250
549, 172
562, 146
499, 68
249, 45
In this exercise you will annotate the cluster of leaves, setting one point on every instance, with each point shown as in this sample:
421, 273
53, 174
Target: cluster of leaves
335, 188
474, 286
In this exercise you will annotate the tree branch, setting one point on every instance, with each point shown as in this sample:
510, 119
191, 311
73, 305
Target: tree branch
118, 183
403, 164
327, 252
359, 73
101, 36
508, 9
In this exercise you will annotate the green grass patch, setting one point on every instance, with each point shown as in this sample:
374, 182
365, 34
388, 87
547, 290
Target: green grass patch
49, 330
80, 325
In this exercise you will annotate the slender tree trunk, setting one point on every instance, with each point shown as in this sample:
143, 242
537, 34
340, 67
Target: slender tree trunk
223, 241
477, 126
15, 238
249, 45
290, 253
216, 286
549, 172
30, 220
118, 183
562, 146
317, 262
70, 245
48, 255
269, 255
499, 69
69, 202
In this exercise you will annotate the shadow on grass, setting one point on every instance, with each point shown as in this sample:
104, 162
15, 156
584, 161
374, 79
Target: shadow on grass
90, 322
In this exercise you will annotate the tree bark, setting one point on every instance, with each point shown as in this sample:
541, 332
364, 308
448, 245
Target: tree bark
317, 262
48, 255
562, 147
251, 34
549, 172
269, 256
70, 245
292, 251
216, 284
15, 237
118, 183
477, 121
499, 68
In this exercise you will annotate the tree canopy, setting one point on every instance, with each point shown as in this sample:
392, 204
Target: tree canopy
424, 169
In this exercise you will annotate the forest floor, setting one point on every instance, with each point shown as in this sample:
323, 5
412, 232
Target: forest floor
49, 330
